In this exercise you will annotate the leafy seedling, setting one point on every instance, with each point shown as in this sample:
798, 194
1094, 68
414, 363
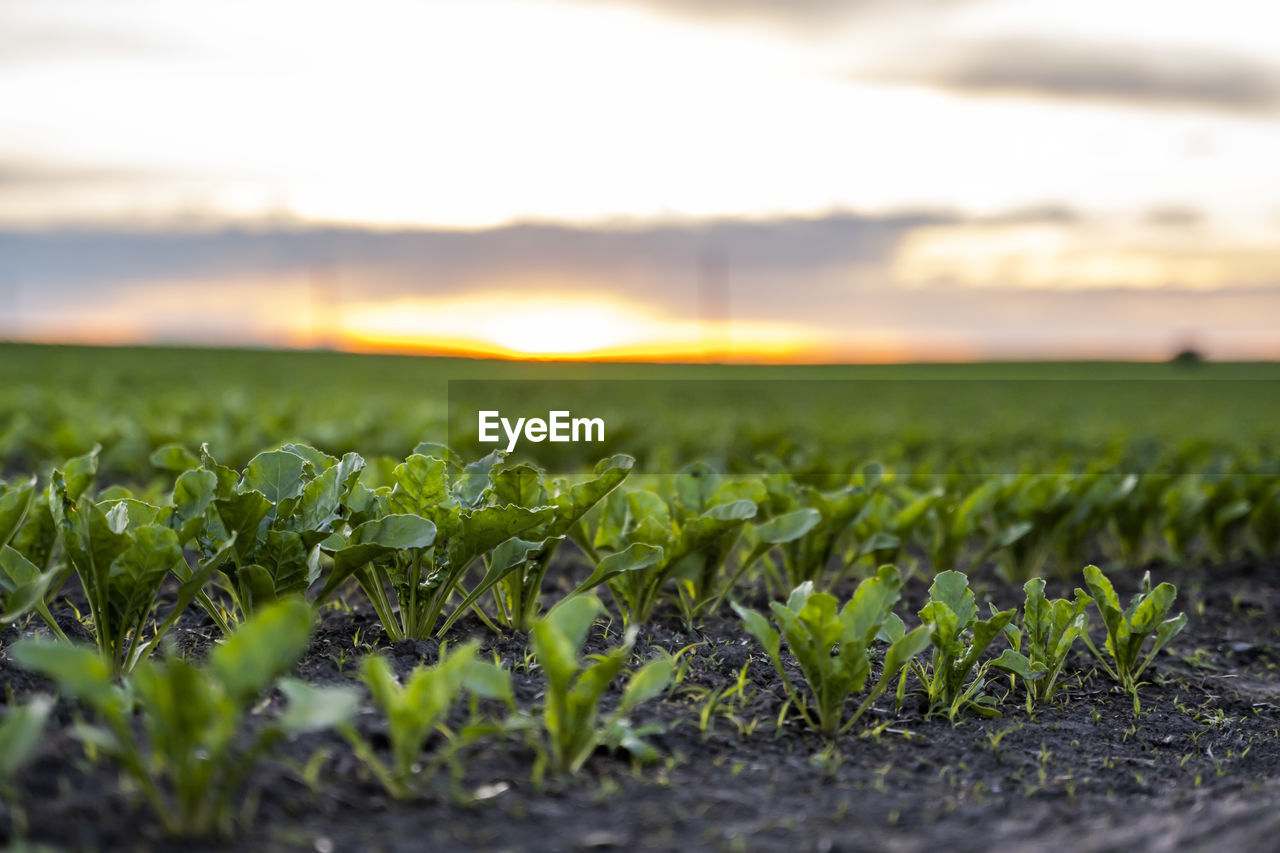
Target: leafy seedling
833, 648
278, 511
1129, 629
684, 541
20, 732
457, 518
186, 756
573, 687
1049, 630
514, 570
122, 555
955, 676
23, 585
418, 708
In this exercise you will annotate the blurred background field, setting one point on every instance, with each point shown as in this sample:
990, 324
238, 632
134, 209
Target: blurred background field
57, 402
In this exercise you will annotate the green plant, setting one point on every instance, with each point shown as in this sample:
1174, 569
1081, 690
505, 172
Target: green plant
833, 648
1050, 628
20, 735
1129, 629
956, 675
20, 732
122, 553
28, 536
957, 516
573, 687
36, 536
808, 555
1183, 504
514, 569
416, 709
187, 756
763, 538
685, 539
453, 509
23, 586
277, 513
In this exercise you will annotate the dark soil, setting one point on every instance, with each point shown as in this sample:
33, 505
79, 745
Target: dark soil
1197, 770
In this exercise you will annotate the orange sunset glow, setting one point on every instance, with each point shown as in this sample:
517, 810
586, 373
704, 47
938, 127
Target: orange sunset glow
511, 326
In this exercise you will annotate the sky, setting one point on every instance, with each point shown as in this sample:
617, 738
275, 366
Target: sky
871, 180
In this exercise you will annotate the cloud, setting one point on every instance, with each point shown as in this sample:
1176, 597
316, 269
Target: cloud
17, 174
848, 278
800, 14
1114, 72
1175, 216
437, 261
26, 42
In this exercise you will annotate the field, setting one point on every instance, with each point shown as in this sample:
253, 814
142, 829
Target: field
286, 601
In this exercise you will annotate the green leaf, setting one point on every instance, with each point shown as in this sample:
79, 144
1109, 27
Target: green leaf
173, 457
489, 681
483, 529
508, 557
23, 584
952, 589
79, 671
946, 628
284, 558
903, 649
90, 542
571, 505
263, 648
420, 486
870, 606
15, 503
256, 586
313, 709
1167, 630
1104, 595
695, 484
648, 682
322, 498
134, 578
397, 532
129, 513
789, 526
318, 459
242, 514
574, 618
892, 630
193, 494
759, 627
79, 473
1011, 661
277, 474
984, 633
20, 734
558, 637
635, 558
520, 485
1153, 608
474, 481
375, 539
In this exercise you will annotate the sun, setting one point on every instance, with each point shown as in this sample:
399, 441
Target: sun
564, 326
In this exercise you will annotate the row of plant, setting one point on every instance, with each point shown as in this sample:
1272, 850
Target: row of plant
195, 744
430, 539
57, 402
182, 731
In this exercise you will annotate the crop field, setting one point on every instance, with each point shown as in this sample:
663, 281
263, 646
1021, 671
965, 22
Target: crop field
286, 601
